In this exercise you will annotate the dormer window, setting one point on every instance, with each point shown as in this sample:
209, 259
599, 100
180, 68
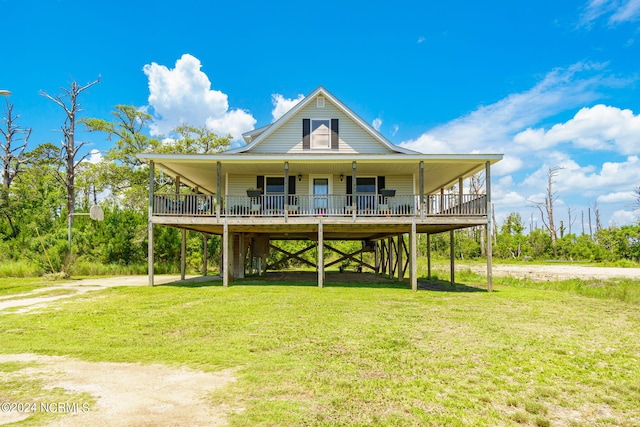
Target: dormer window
321, 133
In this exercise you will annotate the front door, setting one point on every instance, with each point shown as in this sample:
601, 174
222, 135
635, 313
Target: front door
320, 195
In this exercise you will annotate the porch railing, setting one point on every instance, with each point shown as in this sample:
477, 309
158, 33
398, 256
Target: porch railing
363, 205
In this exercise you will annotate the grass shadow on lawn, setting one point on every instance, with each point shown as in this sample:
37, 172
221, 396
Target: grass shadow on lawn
332, 279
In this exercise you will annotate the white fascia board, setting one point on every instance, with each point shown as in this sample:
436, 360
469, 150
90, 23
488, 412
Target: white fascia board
249, 136
249, 158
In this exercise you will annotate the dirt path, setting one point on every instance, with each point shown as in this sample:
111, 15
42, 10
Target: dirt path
125, 394
33, 300
546, 272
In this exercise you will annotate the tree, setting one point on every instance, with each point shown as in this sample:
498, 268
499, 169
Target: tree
511, 242
193, 140
13, 146
13, 158
70, 151
547, 215
121, 171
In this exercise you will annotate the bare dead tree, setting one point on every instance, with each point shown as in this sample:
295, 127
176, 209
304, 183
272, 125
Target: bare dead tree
547, 214
572, 219
68, 101
636, 196
596, 212
13, 146
477, 187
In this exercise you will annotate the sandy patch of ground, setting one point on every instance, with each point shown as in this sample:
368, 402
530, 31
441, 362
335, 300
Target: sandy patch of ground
31, 300
548, 272
126, 394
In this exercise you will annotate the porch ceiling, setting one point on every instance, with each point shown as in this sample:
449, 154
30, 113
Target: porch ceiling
439, 170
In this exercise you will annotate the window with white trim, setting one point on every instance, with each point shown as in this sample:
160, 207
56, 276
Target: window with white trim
321, 133
275, 185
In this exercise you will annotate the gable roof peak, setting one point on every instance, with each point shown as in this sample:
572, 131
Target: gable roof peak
256, 136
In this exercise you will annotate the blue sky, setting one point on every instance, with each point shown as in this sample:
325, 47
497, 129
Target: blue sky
547, 83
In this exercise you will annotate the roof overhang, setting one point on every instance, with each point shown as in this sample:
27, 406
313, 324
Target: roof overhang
440, 170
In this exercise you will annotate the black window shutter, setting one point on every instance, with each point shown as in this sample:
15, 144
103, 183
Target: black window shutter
335, 142
306, 134
292, 185
381, 184
349, 184
260, 182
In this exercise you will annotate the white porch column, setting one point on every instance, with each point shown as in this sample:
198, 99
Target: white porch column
320, 255
354, 187
489, 229
286, 191
150, 223
460, 198
413, 257
421, 179
218, 190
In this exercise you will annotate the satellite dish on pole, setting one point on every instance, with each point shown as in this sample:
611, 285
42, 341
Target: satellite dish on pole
96, 213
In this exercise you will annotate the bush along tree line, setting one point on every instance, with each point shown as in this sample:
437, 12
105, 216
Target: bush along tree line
619, 245
41, 187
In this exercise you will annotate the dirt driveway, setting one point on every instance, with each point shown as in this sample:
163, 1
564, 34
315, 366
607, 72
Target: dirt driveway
555, 271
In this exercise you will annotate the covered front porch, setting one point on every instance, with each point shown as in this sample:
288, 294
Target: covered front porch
319, 199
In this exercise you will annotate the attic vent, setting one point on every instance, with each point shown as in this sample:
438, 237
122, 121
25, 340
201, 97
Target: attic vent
320, 102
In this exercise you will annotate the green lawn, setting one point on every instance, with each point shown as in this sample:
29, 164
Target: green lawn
353, 354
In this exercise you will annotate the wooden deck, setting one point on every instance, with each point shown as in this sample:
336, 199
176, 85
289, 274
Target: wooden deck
279, 206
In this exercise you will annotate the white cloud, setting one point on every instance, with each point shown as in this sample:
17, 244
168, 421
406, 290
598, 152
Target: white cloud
183, 95
619, 196
629, 11
421, 39
618, 11
511, 199
623, 217
507, 165
597, 128
282, 105
491, 128
94, 157
377, 123
396, 128
588, 181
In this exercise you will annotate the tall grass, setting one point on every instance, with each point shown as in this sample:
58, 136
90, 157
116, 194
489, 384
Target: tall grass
625, 290
19, 269
621, 289
88, 268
